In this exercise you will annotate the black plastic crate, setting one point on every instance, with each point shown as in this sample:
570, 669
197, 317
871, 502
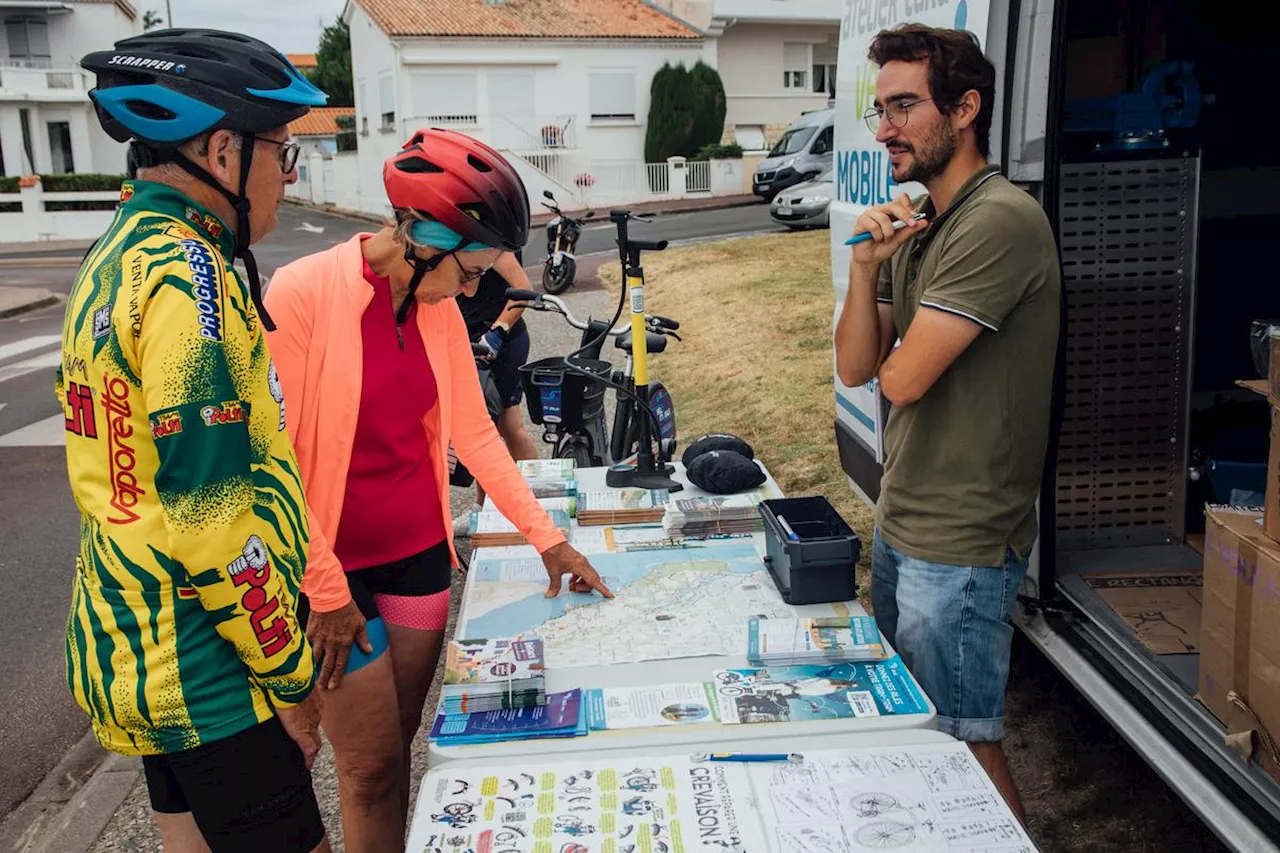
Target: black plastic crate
818, 564
557, 395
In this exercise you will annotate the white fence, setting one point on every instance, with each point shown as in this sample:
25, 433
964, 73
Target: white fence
335, 180
25, 216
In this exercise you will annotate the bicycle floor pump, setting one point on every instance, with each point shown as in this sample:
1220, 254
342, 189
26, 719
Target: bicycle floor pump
648, 471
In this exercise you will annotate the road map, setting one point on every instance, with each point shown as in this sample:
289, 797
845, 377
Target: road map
669, 604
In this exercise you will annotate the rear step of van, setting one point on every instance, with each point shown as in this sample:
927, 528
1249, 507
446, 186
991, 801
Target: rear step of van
1154, 710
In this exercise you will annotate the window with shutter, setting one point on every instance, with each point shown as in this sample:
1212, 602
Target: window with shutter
612, 94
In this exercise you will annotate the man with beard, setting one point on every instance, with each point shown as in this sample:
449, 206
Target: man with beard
971, 294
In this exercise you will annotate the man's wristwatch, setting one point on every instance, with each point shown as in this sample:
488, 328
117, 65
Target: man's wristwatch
506, 328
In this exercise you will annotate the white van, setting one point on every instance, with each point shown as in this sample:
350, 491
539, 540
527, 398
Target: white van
801, 154
1147, 147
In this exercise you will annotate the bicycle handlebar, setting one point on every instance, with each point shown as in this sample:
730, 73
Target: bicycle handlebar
547, 302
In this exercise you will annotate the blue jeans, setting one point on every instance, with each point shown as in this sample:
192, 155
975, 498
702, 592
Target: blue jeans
951, 625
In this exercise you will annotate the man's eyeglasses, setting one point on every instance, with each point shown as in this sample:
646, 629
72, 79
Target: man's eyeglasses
897, 113
289, 152
469, 275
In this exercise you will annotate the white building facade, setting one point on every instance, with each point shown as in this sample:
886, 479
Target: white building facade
47, 123
572, 111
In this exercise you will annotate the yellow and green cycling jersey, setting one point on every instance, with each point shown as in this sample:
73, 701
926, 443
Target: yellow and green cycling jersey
183, 627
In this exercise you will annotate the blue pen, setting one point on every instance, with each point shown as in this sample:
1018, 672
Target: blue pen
898, 225
791, 534
789, 757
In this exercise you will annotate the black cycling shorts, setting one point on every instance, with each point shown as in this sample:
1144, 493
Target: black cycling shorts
249, 791
404, 592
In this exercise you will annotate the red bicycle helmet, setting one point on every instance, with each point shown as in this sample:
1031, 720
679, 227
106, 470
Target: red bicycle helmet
461, 183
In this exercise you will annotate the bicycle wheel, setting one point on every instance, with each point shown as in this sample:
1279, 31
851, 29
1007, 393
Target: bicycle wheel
577, 448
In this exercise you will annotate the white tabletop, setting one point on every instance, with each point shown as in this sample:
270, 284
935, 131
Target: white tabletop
910, 789
675, 670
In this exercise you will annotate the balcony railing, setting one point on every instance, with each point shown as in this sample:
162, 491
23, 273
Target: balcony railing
21, 79
516, 133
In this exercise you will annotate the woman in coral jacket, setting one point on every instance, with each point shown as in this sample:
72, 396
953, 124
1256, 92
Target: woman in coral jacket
379, 378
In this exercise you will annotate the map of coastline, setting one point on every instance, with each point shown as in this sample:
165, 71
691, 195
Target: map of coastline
670, 604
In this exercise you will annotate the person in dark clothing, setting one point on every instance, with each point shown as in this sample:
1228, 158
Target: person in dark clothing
498, 326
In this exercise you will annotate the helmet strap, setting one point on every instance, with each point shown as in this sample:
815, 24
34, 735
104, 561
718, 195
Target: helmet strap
421, 266
241, 204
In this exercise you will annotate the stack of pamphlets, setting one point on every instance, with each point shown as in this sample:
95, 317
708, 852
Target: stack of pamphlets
493, 529
493, 675
784, 642
700, 516
549, 478
568, 504
622, 506
828, 692
562, 716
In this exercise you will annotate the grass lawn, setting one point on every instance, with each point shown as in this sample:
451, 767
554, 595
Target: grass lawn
756, 360
755, 315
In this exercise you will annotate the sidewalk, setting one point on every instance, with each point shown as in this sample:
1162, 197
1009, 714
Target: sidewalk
19, 300
542, 217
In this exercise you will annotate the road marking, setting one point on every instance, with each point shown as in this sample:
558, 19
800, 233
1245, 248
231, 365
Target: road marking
309, 228
22, 368
50, 432
27, 344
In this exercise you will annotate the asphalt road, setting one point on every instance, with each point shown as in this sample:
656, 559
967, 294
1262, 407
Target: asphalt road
38, 719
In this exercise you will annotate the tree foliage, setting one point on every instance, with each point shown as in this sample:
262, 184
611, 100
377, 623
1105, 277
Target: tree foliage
332, 74
686, 112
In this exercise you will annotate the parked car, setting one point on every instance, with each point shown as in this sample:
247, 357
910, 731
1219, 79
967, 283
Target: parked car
803, 153
805, 205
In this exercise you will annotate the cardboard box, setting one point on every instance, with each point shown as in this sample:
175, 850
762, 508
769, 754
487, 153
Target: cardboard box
1271, 520
1273, 362
1240, 628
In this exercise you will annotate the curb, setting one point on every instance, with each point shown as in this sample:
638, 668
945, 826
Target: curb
729, 202
538, 220
16, 249
33, 305
17, 261
72, 804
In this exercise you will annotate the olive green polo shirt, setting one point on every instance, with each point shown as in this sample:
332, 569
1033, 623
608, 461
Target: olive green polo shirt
963, 464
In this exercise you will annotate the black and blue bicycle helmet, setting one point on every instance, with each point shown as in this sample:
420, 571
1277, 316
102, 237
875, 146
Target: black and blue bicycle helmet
165, 88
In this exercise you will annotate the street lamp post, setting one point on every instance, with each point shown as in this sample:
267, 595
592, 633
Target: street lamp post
168, 10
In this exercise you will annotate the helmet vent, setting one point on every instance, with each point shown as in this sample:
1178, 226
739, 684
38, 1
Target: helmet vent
194, 52
478, 164
148, 110
417, 165
270, 72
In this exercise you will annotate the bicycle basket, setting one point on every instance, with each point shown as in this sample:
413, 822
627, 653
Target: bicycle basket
558, 396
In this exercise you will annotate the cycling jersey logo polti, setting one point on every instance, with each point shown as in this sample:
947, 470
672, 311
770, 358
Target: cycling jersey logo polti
166, 424
121, 457
204, 287
230, 412
253, 569
207, 221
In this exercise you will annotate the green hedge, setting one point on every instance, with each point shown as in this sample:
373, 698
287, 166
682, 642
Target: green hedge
8, 185
718, 151
81, 183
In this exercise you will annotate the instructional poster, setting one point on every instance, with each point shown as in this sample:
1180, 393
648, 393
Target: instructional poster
917, 798
670, 805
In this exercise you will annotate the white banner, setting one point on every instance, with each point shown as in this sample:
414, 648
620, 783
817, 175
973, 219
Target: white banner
863, 174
